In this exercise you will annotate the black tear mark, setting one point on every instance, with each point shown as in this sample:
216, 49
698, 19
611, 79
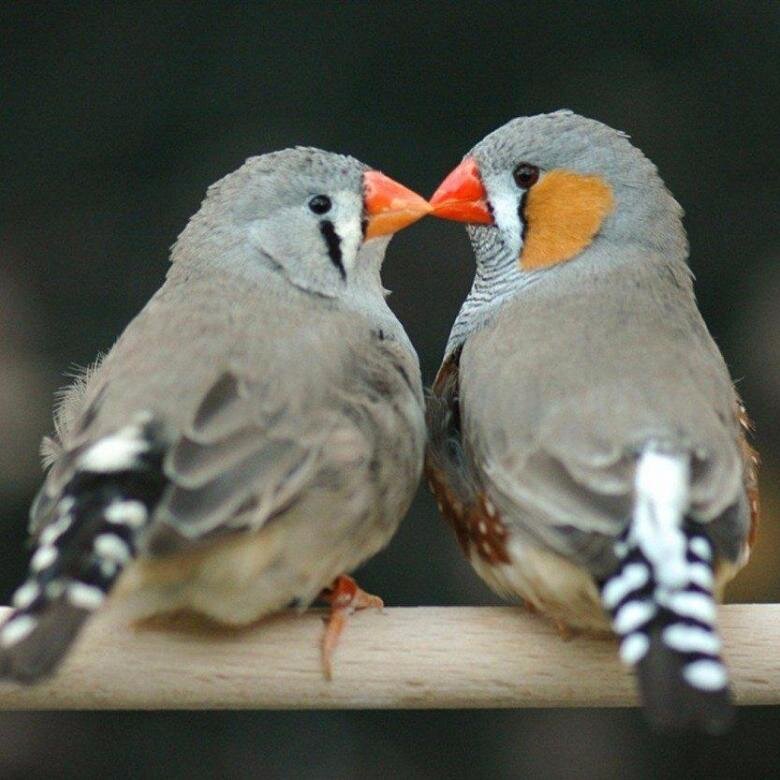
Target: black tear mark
522, 215
333, 242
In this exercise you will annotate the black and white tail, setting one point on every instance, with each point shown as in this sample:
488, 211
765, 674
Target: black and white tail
89, 537
662, 605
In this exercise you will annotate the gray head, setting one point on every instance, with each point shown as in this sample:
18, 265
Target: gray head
320, 218
544, 188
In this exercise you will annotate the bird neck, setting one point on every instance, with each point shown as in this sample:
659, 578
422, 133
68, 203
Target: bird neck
498, 277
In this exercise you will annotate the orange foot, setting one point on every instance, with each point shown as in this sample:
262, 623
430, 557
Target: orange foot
344, 597
529, 606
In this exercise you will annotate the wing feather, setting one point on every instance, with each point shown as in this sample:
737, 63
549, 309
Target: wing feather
560, 394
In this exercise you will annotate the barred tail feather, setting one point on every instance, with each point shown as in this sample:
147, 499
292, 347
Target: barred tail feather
90, 537
662, 604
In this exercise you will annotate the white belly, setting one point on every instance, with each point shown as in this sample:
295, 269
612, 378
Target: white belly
550, 583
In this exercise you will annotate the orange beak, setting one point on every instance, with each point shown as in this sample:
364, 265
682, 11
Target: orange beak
389, 205
462, 197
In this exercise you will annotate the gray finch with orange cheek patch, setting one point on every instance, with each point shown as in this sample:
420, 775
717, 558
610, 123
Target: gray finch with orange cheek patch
587, 442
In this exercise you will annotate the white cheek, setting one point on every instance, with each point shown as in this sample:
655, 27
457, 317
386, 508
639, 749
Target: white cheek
346, 219
351, 238
505, 201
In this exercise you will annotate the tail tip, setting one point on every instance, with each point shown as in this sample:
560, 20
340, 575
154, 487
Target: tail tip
32, 646
685, 695
714, 716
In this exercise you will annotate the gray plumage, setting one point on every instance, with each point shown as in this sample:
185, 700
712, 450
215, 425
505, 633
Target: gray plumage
586, 439
571, 380
570, 373
646, 217
284, 395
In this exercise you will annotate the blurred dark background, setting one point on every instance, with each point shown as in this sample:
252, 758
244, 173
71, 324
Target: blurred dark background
114, 119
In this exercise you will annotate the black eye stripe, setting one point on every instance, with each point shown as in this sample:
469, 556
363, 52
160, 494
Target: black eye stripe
333, 242
521, 214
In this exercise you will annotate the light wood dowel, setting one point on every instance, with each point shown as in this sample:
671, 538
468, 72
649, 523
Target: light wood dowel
425, 657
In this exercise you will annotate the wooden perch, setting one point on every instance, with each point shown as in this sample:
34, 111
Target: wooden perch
426, 657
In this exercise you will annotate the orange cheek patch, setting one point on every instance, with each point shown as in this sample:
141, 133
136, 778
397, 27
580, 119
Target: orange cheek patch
563, 212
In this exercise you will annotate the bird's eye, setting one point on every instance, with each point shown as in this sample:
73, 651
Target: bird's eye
320, 204
525, 175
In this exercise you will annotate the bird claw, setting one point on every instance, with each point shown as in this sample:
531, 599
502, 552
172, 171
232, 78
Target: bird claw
344, 597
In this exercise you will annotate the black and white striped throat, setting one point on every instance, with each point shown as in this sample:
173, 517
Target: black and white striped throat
498, 278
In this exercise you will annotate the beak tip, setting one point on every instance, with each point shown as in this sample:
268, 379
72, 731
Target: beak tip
437, 200
389, 205
461, 196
